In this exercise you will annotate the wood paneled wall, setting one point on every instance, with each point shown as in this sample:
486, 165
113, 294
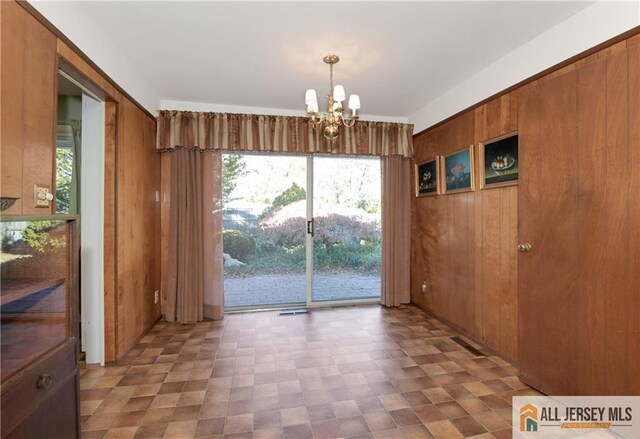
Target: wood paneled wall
464, 244
138, 226
28, 88
32, 50
132, 181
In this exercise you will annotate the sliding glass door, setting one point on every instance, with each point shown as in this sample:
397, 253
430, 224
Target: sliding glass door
299, 230
346, 228
264, 230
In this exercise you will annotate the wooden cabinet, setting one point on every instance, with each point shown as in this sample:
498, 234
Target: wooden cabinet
39, 358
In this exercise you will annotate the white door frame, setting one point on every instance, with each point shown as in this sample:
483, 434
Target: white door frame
309, 303
309, 241
92, 229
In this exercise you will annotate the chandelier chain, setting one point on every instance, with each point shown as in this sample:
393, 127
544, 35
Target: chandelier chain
331, 78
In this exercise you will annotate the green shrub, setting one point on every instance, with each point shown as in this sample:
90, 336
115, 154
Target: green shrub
288, 196
238, 244
42, 237
363, 257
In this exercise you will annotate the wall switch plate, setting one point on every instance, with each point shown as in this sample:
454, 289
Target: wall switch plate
42, 196
425, 287
156, 296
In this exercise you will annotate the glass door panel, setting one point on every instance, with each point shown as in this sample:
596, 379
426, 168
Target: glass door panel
37, 286
264, 230
347, 228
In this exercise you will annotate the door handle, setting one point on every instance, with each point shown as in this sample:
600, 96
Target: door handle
310, 227
44, 381
525, 247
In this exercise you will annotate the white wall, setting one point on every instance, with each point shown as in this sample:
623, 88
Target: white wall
589, 27
70, 19
584, 30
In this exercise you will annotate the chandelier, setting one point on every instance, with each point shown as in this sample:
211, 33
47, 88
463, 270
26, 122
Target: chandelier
334, 118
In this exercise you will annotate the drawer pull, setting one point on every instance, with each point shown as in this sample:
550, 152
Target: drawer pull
44, 381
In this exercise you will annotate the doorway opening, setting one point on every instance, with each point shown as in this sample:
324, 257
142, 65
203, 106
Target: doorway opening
79, 191
300, 230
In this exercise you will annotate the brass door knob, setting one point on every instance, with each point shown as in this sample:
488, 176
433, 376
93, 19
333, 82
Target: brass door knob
44, 381
524, 247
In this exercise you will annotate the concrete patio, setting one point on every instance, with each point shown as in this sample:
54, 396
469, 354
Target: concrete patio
275, 289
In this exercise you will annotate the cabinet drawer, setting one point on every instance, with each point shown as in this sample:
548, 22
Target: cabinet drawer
26, 392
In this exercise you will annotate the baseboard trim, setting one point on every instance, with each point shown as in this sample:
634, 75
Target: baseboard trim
474, 339
125, 351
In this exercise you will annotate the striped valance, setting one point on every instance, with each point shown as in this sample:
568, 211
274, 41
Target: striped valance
251, 132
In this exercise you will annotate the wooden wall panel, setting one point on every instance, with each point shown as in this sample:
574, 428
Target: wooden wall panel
617, 217
558, 206
592, 196
632, 332
110, 230
12, 32
464, 244
28, 107
39, 113
138, 181
592, 124
30, 56
529, 195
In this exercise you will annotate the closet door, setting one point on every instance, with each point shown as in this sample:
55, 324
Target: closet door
579, 307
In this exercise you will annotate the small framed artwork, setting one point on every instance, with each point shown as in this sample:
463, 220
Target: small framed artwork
427, 181
457, 171
499, 161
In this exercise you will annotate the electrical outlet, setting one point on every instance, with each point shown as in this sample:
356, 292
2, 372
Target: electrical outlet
42, 195
156, 296
425, 287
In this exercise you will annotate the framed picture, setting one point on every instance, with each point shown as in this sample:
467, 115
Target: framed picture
427, 181
457, 171
499, 161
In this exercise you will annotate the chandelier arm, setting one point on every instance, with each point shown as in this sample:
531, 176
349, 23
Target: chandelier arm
316, 122
349, 122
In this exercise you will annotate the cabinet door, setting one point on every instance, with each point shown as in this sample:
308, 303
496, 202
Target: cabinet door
53, 418
43, 398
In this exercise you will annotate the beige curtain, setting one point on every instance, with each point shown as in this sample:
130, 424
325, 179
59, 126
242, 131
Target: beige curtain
266, 133
214, 262
193, 278
396, 225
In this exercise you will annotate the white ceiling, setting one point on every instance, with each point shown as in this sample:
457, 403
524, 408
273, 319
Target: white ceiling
398, 56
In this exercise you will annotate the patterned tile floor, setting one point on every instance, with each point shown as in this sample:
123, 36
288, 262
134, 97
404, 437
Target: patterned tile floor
357, 372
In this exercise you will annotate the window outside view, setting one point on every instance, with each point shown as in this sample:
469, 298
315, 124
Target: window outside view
265, 227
